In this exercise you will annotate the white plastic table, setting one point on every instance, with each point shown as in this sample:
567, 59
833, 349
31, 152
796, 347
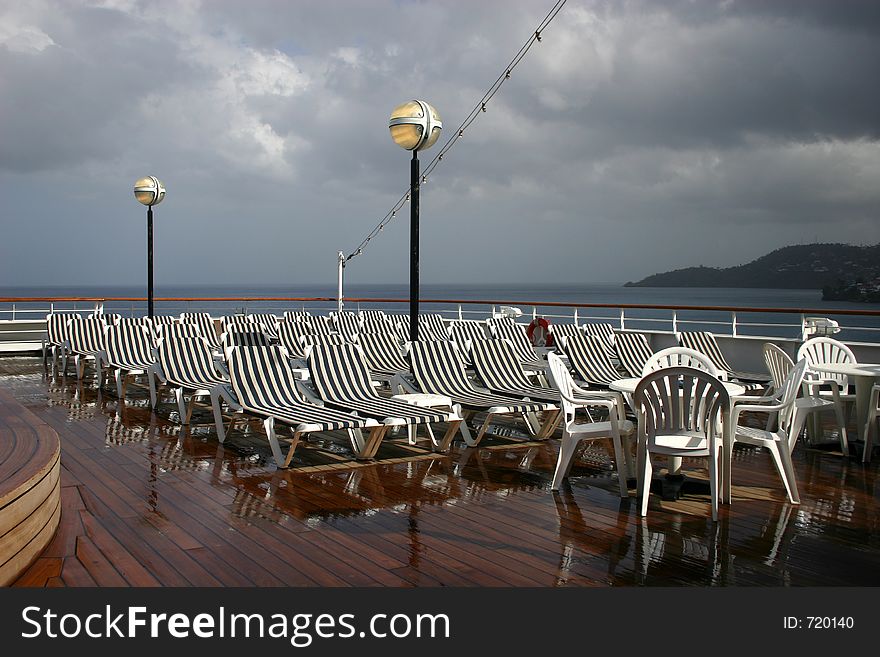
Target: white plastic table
864, 374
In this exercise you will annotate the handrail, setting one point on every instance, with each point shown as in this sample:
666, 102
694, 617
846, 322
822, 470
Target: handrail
551, 304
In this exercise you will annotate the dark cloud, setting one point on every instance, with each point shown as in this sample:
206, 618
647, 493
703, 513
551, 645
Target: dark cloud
635, 137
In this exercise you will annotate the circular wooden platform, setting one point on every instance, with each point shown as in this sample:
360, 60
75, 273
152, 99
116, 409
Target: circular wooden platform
30, 487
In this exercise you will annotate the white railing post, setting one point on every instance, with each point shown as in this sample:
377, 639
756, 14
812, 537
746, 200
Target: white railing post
675, 321
803, 326
575, 316
733, 323
534, 313
460, 318
622, 318
13, 312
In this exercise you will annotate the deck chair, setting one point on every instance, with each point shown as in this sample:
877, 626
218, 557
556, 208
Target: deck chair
438, 370
781, 406
56, 339
432, 327
375, 323
678, 411
507, 329
560, 331
188, 367
342, 379
780, 365
588, 357
633, 351
705, 343
346, 323
290, 335
463, 332
129, 353
602, 330
206, 324
177, 330
573, 398
265, 385
297, 316
236, 336
85, 341
499, 371
829, 386
269, 322
109, 319
384, 358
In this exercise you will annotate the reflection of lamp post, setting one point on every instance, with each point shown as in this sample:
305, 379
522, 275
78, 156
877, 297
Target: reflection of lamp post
415, 126
150, 192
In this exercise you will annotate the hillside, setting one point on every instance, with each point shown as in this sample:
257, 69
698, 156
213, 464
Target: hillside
836, 269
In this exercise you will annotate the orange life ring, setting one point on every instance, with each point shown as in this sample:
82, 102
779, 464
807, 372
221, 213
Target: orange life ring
539, 333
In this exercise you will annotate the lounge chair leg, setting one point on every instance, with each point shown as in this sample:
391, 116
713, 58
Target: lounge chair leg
120, 387
269, 426
482, 430
181, 405
189, 408
151, 379
356, 437
443, 446
463, 427
218, 416
374, 441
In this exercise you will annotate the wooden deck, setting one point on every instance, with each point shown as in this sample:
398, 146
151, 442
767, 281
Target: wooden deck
146, 503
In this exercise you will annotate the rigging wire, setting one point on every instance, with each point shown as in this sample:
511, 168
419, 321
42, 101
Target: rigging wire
478, 109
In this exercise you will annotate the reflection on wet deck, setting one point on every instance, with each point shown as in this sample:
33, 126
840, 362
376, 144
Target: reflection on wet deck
146, 502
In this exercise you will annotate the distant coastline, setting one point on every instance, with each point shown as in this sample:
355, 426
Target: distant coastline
843, 272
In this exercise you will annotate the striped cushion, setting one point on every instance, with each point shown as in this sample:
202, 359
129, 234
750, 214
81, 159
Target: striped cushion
382, 354
187, 363
86, 335
498, 368
516, 334
633, 351
130, 347
346, 323
588, 357
205, 324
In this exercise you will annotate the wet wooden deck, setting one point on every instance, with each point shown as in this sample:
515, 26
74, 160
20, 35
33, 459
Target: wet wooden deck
147, 503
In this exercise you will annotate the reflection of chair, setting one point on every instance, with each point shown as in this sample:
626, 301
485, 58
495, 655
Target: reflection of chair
871, 423
678, 410
823, 351
781, 403
573, 398
780, 365
679, 357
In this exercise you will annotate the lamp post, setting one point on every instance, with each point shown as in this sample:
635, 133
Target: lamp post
149, 191
415, 126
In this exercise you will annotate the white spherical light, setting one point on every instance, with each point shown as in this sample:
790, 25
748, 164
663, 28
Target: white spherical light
149, 190
415, 125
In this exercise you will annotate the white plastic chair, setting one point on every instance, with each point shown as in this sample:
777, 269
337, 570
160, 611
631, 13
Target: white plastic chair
829, 350
678, 412
780, 364
573, 398
781, 403
681, 357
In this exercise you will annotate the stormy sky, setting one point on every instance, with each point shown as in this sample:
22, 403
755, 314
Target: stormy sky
635, 137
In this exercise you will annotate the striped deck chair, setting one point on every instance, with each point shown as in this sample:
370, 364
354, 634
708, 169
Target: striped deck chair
269, 322
312, 340
341, 377
346, 323
129, 353
265, 385
297, 316
633, 351
438, 370
384, 358
463, 332
705, 343
432, 327
602, 330
291, 334
516, 334
163, 320
179, 331
378, 324
85, 341
55, 342
109, 319
589, 359
245, 337
560, 331
206, 323
187, 366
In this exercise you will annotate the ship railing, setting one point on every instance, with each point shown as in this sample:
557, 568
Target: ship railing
854, 324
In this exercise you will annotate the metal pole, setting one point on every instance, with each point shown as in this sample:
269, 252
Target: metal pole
341, 271
150, 261
414, 249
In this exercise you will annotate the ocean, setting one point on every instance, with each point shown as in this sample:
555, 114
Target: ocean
527, 297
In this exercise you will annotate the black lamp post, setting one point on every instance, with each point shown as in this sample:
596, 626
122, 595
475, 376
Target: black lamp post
415, 126
149, 191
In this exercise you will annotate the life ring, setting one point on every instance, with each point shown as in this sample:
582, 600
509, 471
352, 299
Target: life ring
539, 334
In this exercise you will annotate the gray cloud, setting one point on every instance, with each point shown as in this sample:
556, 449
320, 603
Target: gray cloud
635, 137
